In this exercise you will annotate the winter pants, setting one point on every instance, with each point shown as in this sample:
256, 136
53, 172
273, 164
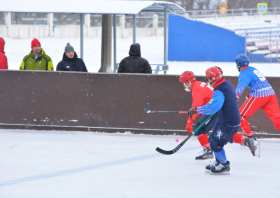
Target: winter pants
207, 126
268, 104
221, 135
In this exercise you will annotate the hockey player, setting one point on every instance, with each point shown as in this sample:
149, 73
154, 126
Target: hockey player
262, 95
223, 103
201, 95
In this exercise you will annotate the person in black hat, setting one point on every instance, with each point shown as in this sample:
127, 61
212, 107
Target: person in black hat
70, 61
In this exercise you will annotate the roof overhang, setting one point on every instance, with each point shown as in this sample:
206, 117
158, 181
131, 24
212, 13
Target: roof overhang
88, 6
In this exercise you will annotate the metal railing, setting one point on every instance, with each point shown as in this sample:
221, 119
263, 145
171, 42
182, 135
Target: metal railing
156, 68
230, 12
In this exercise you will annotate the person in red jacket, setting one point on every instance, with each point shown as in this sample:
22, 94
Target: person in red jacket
201, 95
3, 58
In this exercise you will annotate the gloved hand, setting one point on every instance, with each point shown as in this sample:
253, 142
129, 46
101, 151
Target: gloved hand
192, 111
189, 125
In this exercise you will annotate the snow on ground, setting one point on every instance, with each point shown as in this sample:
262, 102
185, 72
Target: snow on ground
151, 47
64, 164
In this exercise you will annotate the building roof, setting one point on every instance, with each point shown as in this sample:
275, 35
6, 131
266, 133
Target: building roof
88, 6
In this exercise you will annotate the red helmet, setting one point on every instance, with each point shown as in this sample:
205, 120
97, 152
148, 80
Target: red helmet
187, 76
214, 73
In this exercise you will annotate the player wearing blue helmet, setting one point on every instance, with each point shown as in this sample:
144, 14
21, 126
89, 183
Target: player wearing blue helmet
262, 94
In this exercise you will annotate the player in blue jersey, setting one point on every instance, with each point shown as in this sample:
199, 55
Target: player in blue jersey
223, 102
262, 95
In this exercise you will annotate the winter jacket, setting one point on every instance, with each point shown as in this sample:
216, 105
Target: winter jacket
3, 58
43, 62
134, 63
71, 64
224, 103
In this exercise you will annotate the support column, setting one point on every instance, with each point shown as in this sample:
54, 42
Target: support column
87, 25
81, 36
106, 44
8, 22
155, 24
50, 24
115, 43
134, 28
165, 36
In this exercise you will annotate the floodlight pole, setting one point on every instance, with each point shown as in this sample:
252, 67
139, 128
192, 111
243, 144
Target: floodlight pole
81, 36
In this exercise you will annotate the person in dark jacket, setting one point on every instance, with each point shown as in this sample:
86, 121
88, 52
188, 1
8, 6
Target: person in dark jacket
70, 61
224, 103
134, 63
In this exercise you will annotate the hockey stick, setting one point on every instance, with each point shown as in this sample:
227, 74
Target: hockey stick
146, 109
182, 143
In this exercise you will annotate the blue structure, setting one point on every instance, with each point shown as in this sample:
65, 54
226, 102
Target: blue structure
259, 58
197, 41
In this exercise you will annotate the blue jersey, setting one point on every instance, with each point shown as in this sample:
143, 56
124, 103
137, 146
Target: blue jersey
224, 103
257, 83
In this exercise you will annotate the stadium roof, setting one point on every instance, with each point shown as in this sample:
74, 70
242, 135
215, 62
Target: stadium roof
88, 6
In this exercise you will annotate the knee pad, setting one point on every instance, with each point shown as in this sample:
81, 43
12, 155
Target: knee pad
215, 146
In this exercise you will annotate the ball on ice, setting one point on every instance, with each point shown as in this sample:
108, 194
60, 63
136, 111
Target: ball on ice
177, 140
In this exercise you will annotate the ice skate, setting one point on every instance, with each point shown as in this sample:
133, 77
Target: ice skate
250, 143
256, 145
207, 154
220, 169
213, 163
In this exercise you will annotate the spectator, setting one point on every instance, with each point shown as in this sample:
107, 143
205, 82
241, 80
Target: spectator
70, 61
3, 58
134, 63
37, 58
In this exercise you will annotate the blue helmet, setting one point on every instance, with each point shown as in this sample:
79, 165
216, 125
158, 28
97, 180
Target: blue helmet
241, 60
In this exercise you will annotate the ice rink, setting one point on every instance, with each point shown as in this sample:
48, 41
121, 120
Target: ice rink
44, 164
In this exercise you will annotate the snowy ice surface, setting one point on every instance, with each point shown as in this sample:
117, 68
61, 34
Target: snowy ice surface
44, 164
151, 49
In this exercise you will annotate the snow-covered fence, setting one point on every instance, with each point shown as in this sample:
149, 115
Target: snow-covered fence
19, 31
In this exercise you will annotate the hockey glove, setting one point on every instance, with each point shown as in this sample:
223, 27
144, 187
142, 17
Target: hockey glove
192, 111
189, 125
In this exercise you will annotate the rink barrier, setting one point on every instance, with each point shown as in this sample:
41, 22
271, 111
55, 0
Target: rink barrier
98, 102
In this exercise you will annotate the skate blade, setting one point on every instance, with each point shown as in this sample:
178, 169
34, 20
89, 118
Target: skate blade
207, 171
222, 173
257, 149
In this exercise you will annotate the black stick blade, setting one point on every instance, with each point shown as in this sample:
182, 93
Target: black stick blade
165, 152
146, 108
175, 149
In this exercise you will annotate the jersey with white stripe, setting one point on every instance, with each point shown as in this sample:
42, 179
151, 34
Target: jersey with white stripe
255, 80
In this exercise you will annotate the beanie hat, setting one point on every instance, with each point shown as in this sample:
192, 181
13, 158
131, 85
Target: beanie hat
69, 48
35, 43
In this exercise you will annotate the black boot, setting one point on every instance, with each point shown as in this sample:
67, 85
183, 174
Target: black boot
213, 163
207, 154
220, 169
250, 143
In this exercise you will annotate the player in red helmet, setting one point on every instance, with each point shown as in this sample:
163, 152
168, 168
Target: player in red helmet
224, 104
201, 95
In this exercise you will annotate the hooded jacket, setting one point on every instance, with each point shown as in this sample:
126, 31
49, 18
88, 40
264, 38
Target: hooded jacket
71, 64
3, 58
134, 63
43, 62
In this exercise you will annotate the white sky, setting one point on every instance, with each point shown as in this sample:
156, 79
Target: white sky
151, 49
44, 164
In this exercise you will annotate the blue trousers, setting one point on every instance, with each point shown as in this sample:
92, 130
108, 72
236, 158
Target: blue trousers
222, 134
207, 126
